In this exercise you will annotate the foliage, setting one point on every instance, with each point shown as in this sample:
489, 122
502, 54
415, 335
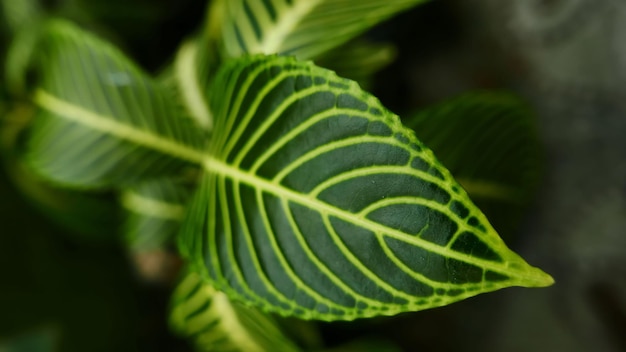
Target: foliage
287, 189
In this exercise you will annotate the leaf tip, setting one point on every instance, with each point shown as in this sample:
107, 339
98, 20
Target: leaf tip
537, 278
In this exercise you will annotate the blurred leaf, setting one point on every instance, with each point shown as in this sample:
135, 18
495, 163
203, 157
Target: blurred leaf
191, 78
155, 210
18, 14
93, 99
91, 216
20, 58
302, 28
214, 323
489, 142
358, 60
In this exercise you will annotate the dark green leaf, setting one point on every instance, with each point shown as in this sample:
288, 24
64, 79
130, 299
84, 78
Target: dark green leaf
316, 202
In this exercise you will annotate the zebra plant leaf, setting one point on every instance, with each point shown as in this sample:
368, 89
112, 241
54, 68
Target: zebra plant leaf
317, 203
303, 28
103, 122
214, 323
495, 155
155, 210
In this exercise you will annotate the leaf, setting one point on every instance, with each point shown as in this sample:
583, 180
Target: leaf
192, 77
317, 203
94, 99
302, 28
155, 210
93, 216
495, 155
216, 324
17, 15
19, 58
358, 60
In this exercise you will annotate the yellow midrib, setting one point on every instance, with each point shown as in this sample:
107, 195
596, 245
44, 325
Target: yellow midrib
217, 166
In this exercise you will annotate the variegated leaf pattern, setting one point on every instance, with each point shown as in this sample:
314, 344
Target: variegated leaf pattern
302, 28
103, 122
155, 210
496, 155
214, 323
317, 203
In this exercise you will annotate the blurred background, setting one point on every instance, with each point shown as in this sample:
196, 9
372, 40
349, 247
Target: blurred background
567, 58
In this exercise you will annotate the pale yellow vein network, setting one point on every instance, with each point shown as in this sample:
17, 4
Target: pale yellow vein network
530, 276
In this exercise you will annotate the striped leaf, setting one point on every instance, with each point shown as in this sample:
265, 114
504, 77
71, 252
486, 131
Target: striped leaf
303, 28
214, 323
496, 155
155, 210
317, 203
103, 122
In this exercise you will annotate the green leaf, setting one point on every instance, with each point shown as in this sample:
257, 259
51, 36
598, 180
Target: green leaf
303, 28
94, 99
358, 60
19, 58
495, 155
19, 14
316, 202
155, 210
216, 324
192, 76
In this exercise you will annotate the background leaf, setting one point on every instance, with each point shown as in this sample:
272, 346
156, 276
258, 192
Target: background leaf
94, 99
358, 60
316, 202
495, 154
214, 323
155, 210
303, 28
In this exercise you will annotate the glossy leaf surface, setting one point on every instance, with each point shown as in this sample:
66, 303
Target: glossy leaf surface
316, 202
302, 28
216, 324
103, 122
495, 155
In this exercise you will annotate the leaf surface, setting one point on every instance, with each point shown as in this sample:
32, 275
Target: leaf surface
216, 324
103, 122
302, 28
316, 202
155, 210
